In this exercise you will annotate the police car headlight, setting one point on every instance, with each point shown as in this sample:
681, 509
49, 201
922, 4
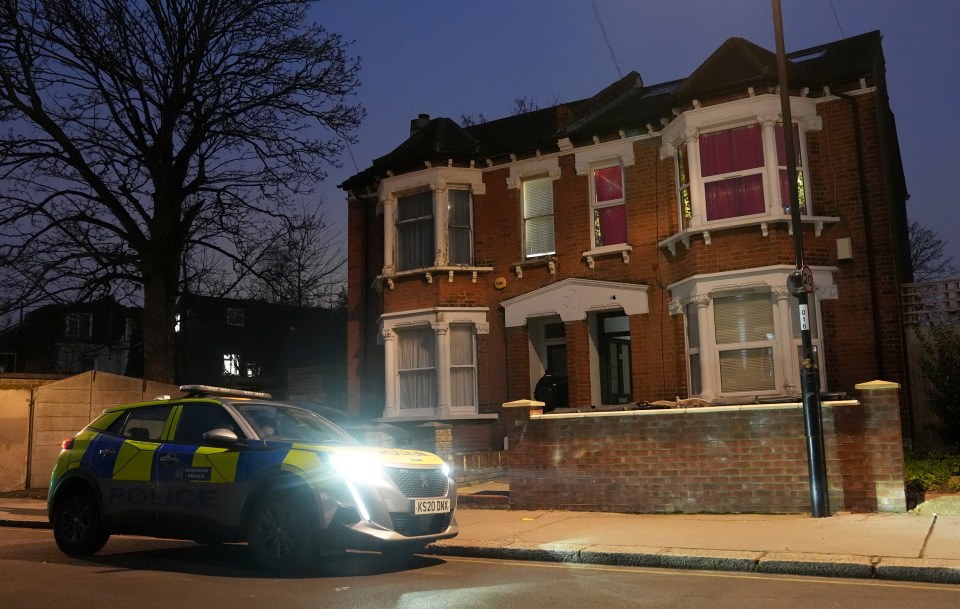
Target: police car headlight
446, 469
355, 468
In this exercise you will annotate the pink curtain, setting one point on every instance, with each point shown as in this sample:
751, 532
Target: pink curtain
612, 225
731, 150
782, 146
734, 197
608, 183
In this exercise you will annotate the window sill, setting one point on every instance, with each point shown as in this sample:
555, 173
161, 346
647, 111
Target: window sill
621, 249
432, 273
763, 222
548, 260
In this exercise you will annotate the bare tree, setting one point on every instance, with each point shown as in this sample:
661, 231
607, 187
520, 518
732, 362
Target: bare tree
928, 258
142, 133
302, 266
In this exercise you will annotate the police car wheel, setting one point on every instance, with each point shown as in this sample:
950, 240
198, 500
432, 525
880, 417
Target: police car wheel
77, 525
277, 533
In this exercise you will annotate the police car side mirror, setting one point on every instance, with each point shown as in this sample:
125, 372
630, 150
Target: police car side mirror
220, 437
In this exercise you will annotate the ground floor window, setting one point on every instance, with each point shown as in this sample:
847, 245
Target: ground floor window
743, 332
417, 368
430, 361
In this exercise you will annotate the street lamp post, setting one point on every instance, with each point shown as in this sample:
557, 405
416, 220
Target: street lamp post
801, 284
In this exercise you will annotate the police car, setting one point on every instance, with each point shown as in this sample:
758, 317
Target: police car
222, 465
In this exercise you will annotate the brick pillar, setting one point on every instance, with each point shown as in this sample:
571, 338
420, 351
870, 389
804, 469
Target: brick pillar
578, 358
518, 364
869, 470
436, 438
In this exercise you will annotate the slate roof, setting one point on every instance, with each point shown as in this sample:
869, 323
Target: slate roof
628, 105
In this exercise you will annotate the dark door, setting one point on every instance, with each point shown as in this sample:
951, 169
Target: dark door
615, 364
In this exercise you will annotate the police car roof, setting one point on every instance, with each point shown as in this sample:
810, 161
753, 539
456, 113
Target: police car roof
209, 390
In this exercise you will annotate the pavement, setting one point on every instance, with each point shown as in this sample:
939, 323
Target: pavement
922, 545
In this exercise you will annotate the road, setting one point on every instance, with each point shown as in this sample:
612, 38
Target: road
147, 573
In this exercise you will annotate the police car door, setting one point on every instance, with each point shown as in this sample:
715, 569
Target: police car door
123, 458
197, 492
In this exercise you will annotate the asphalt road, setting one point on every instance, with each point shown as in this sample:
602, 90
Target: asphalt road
147, 573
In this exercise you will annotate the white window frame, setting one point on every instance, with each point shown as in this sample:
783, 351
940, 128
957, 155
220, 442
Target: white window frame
763, 110
399, 224
596, 206
547, 180
470, 366
439, 320
438, 180
468, 227
701, 290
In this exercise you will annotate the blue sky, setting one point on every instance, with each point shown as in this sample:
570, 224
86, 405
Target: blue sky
450, 57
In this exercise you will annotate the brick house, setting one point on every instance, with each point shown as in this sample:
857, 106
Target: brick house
636, 244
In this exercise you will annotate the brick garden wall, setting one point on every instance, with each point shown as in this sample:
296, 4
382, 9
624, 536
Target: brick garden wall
712, 460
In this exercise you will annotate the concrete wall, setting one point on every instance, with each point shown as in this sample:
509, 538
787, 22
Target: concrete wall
62, 408
15, 395
714, 460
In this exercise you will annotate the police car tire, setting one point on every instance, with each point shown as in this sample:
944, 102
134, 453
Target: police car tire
277, 533
77, 523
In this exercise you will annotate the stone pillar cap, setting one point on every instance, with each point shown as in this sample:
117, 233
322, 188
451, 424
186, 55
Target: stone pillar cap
875, 385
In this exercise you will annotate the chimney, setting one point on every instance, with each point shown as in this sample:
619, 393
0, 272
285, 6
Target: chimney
419, 123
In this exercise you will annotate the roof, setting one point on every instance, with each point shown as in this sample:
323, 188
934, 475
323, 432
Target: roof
626, 105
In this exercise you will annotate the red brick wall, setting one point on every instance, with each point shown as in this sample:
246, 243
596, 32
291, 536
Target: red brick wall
751, 459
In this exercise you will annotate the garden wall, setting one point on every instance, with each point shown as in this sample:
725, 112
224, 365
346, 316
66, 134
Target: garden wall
729, 459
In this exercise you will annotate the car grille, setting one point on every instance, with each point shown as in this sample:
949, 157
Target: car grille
409, 525
419, 482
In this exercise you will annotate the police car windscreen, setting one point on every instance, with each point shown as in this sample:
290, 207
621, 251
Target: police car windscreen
287, 423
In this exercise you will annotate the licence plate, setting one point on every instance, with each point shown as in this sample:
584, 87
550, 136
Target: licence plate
431, 506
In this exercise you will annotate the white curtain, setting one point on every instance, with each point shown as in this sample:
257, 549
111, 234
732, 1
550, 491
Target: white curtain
463, 370
415, 236
417, 368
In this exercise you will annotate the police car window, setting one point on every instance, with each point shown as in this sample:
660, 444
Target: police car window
145, 424
198, 419
287, 423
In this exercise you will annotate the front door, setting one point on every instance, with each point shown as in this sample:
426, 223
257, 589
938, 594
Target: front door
615, 365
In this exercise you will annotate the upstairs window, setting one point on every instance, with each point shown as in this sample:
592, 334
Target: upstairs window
236, 317
731, 162
538, 239
459, 227
609, 206
79, 325
415, 231
782, 170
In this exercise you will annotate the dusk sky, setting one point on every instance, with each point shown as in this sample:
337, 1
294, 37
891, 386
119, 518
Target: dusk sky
448, 58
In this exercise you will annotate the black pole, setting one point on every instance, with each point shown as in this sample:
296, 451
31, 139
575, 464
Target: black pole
809, 372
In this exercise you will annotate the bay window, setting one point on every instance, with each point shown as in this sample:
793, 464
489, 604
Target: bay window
430, 361
731, 164
609, 206
743, 331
